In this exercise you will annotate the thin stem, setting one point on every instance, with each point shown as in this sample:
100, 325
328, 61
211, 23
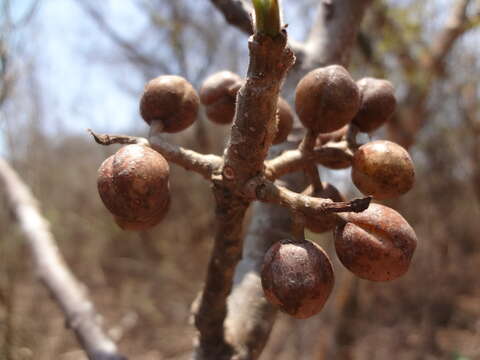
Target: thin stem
204, 165
298, 226
310, 168
294, 160
352, 134
267, 191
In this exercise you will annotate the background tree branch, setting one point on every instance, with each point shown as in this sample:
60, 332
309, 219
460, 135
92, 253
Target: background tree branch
408, 121
236, 13
52, 270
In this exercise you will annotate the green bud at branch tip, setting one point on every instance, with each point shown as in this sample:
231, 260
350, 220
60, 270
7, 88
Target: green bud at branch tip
267, 17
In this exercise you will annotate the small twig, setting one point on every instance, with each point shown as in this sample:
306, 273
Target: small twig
310, 167
293, 160
267, 191
205, 165
54, 273
352, 134
298, 226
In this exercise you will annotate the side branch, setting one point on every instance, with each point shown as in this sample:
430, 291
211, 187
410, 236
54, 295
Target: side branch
190, 160
236, 13
53, 271
331, 155
267, 191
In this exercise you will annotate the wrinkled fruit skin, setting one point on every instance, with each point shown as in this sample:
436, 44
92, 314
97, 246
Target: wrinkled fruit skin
382, 169
172, 100
218, 95
285, 121
376, 244
324, 223
297, 277
377, 105
326, 99
133, 185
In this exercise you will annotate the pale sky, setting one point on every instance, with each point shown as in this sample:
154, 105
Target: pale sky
80, 89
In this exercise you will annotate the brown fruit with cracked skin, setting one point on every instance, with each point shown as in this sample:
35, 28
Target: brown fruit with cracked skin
172, 100
382, 169
324, 223
133, 185
297, 277
377, 104
218, 95
376, 244
285, 121
326, 99
143, 223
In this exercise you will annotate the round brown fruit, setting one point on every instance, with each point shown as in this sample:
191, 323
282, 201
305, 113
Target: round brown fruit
218, 95
382, 169
144, 223
172, 100
133, 185
326, 99
377, 104
324, 223
376, 244
297, 277
285, 121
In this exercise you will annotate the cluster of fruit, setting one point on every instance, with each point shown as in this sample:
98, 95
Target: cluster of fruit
133, 183
297, 275
376, 244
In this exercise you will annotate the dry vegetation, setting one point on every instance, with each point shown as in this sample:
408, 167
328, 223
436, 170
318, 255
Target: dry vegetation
144, 283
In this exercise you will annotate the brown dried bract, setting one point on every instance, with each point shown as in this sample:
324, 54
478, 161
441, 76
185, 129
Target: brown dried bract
297, 277
376, 244
218, 93
285, 121
323, 223
326, 99
133, 185
377, 105
382, 169
172, 100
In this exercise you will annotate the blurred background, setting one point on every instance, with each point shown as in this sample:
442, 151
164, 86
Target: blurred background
74, 64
